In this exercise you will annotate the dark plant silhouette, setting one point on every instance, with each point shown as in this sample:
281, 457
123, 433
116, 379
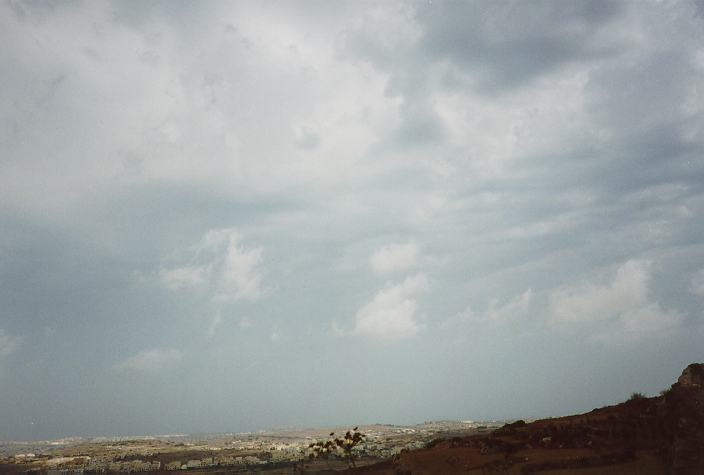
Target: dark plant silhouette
337, 446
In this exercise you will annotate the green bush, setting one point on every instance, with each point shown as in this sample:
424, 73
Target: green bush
636, 396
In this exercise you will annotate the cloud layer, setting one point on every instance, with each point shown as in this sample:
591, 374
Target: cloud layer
466, 189
147, 361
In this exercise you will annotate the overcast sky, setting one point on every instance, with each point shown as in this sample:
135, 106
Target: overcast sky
220, 216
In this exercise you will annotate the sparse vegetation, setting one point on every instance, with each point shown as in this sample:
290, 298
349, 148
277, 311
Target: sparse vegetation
636, 396
336, 446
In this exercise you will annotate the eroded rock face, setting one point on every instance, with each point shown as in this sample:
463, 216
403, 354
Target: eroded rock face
692, 376
684, 411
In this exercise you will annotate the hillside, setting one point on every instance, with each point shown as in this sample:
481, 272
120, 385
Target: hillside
656, 435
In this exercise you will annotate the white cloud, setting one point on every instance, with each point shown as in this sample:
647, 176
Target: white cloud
184, 277
391, 315
590, 301
513, 311
220, 263
338, 330
150, 360
697, 284
245, 323
8, 343
459, 319
619, 308
241, 274
395, 257
214, 324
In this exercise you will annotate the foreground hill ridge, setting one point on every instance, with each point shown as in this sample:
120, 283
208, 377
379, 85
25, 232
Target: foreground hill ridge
644, 435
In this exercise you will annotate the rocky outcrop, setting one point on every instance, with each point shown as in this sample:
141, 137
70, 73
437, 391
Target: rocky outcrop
692, 376
682, 408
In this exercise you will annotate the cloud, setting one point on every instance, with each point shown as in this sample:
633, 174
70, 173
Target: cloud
307, 139
214, 324
8, 344
395, 257
621, 307
697, 283
508, 45
460, 319
241, 273
184, 277
490, 46
391, 314
245, 323
513, 311
227, 269
156, 359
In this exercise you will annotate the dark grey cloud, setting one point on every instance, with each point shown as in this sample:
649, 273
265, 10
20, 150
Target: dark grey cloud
507, 45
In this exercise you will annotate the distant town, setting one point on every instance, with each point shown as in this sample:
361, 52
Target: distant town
283, 451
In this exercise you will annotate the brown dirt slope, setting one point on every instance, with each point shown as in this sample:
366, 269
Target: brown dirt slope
657, 435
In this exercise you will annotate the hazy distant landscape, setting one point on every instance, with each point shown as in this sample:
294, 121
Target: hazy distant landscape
426, 429
261, 450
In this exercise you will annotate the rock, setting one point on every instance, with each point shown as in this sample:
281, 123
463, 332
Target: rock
692, 376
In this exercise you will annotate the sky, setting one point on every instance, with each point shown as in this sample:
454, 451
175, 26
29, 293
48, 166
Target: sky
232, 216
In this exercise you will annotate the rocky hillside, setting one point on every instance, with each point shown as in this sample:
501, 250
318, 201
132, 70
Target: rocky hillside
657, 435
